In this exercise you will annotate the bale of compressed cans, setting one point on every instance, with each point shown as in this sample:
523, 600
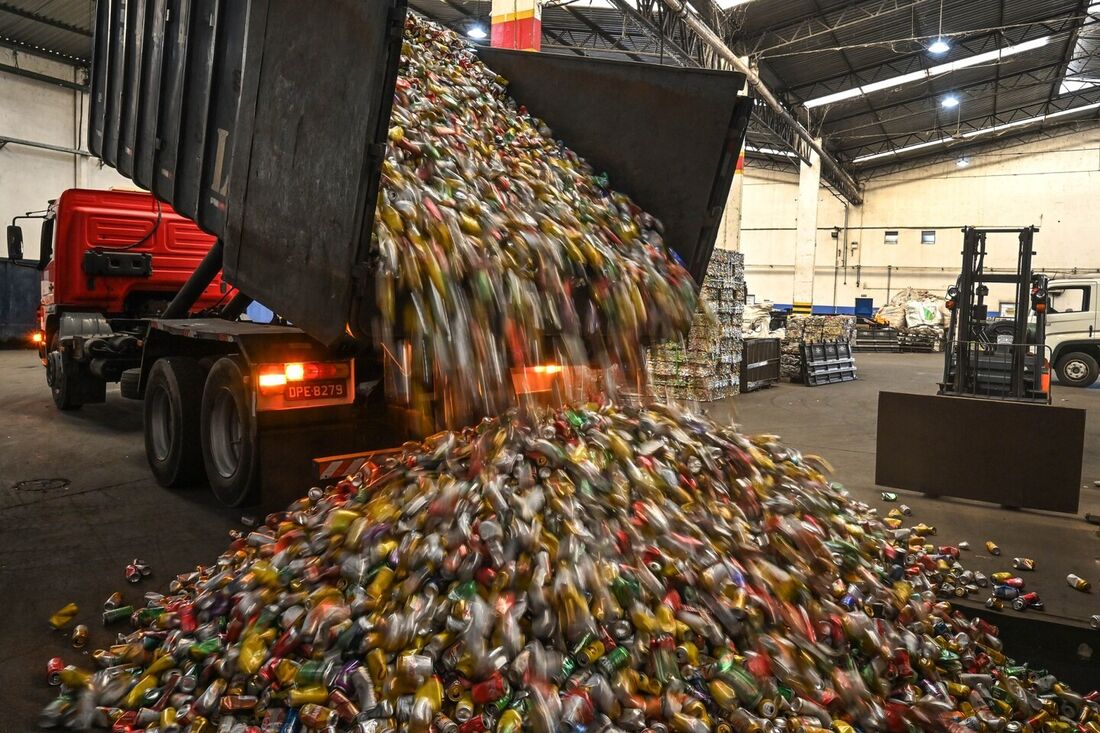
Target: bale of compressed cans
705, 366
811, 329
589, 568
498, 247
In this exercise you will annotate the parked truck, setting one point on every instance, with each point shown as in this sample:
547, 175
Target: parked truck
109, 261
1073, 330
265, 122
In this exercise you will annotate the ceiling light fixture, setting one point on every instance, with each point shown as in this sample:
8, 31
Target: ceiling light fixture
982, 131
962, 162
477, 32
769, 151
937, 70
940, 45
950, 101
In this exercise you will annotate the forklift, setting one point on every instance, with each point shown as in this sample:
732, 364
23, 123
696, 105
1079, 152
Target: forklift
1004, 358
990, 433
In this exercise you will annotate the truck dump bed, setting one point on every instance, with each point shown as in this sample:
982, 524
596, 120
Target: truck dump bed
265, 122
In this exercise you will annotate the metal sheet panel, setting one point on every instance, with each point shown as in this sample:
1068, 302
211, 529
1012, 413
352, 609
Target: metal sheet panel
146, 128
177, 32
1011, 453
309, 146
667, 137
221, 122
201, 47
98, 105
112, 102
131, 86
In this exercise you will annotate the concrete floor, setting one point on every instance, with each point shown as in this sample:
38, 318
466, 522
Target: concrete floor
72, 543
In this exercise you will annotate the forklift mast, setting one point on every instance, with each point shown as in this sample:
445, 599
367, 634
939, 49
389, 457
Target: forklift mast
1005, 359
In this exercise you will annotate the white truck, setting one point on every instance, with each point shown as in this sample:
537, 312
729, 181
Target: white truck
1072, 330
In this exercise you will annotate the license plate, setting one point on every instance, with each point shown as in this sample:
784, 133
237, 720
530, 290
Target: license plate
328, 390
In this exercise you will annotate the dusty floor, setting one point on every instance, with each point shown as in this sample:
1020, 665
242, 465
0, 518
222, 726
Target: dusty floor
72, 542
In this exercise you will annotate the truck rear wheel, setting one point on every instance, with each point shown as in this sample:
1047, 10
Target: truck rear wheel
229, 448
171, 412
1077, 369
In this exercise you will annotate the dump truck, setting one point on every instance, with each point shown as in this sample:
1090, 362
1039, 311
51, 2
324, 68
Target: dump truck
265, 123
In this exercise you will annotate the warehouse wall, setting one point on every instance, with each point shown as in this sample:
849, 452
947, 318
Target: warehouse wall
1054, 184
34, 110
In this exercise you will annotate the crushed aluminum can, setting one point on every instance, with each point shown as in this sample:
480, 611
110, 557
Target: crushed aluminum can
53, 671
1023, 563
64, 615
80, 636
889, 496
1026, 601
1078, 583
113, 601
991, 548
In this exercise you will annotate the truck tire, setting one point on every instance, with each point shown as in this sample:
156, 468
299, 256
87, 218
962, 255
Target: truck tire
64, 381
1077, 369
229, 449
171, 412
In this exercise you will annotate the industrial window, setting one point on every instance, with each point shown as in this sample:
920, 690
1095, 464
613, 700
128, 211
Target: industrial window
928, 237
1070, 299
891, 237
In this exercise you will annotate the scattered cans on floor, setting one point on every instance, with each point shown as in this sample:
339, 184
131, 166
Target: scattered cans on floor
597, 569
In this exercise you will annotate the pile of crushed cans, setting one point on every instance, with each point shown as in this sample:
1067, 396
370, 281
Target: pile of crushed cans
586, 569
498, 246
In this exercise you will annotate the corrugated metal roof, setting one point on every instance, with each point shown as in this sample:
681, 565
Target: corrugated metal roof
57, 28
805, 49
812, 48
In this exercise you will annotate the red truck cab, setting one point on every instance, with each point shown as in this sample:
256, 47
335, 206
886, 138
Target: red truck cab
111, 260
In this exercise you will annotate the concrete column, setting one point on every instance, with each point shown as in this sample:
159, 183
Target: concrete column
805, 243
517, 24
729, 231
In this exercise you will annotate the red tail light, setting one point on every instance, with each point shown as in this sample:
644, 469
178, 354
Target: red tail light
273, 377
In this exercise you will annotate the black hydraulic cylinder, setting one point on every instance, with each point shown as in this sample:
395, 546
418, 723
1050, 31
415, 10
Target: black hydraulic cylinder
235, 307
200, 279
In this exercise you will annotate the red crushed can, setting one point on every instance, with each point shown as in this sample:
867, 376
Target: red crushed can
489, 690
53, 671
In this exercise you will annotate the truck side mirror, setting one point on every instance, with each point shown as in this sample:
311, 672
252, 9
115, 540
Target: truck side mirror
15, 243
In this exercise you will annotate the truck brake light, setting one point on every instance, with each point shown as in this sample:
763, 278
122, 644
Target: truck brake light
271, 380
273, 377
37, 337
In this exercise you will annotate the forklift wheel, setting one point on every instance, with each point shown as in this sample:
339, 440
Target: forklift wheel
229, 434
172, 421
1077, 370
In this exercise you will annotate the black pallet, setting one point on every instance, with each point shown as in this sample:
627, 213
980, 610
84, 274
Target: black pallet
827, 363
759, 364
877, 339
